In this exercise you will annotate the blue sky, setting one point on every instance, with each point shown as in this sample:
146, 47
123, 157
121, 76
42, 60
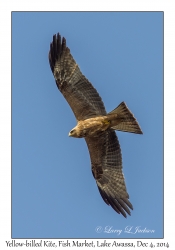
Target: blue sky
54, 194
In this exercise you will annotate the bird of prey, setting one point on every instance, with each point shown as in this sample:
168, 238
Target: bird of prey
95, 125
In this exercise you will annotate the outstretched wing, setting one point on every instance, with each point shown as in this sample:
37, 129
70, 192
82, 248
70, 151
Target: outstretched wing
78, 91
106, 162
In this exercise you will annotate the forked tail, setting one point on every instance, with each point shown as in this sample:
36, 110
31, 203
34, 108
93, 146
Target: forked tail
122, 119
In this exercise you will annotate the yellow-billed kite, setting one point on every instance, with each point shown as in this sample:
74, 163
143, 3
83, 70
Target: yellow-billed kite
95, 125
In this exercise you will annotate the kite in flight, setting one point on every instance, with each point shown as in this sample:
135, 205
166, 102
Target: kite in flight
95, 125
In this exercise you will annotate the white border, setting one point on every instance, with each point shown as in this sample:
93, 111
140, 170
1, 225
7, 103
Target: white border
5, 95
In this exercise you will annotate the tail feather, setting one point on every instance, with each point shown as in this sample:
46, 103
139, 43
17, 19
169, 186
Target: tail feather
124, 120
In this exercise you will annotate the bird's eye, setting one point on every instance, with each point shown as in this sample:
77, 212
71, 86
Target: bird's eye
72, 131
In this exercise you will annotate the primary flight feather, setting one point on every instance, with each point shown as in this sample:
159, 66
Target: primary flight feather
95, 125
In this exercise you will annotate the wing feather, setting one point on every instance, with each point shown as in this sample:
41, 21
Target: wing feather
106, 162
82, 97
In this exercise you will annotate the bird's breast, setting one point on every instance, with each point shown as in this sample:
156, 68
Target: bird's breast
92, 126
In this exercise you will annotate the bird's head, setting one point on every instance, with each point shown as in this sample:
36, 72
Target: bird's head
73, 133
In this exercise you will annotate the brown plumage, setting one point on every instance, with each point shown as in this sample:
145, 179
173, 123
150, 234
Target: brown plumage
95, 125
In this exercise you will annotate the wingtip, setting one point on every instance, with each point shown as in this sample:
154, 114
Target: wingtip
56, 48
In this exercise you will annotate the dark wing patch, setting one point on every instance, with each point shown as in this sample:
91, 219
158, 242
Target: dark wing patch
78, 91
106, 161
